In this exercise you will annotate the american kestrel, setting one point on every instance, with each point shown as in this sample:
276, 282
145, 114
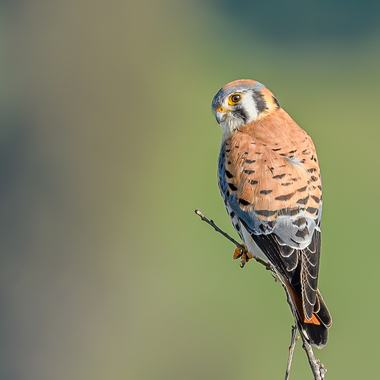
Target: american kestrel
269, 178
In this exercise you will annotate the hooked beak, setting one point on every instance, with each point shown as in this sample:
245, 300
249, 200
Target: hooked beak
221, 114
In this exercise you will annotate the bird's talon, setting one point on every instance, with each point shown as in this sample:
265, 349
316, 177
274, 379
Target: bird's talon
244, 255
238, 252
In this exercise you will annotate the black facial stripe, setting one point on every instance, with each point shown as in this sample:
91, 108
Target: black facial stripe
276, 102
241, 114
259, 101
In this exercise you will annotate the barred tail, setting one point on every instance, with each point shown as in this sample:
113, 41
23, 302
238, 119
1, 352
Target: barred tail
314, 329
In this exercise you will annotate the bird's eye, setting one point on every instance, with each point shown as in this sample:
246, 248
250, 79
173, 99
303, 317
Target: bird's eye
234, 99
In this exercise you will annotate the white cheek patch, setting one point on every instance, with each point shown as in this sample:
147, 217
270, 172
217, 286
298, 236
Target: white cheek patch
250, 107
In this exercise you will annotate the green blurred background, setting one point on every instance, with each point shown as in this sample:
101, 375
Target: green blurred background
108, 144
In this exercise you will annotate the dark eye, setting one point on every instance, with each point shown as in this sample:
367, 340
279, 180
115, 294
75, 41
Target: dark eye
234, 99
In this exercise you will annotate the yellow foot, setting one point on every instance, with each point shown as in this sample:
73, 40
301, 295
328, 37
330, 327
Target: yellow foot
244, 255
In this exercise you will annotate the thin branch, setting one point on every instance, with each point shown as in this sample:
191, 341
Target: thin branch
316, 366
242, 247
217, 229
291, 351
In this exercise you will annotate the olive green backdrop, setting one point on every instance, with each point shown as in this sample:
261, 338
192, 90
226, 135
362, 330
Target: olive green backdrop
108, 144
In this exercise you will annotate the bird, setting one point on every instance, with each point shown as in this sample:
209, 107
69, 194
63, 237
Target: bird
269, 179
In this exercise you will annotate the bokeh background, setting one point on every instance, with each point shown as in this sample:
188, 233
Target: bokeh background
108, 144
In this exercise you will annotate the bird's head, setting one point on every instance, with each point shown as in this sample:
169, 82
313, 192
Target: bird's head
241, 102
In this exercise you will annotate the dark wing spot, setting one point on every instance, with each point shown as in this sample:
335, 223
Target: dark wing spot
293, 151
279, 176
287, 184
303, 233
228, 174
289, 211
302, 189
300, 221
276, 149
253, 182
258, 153
302, 161
314, 178
250, 161
265, 192
320, 187
265, 213
284, 197
303, 201
249, 171
311, 170
232, 187
316, 199
243, 202
311, 210
232, 214
305, 151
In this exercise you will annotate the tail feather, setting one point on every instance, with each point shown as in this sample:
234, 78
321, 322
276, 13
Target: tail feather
315, 334
314, 329
323, 312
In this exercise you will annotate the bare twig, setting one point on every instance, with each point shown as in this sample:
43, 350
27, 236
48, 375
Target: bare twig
291, 351
231, 239
316, 366
217, 229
